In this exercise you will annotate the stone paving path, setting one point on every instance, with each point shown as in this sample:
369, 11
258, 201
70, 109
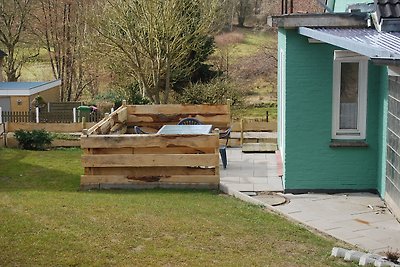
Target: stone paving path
361, 219
251, 171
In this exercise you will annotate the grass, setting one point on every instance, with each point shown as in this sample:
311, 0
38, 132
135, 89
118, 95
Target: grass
36, 71
255, 112
252, 67
45, 220
252, 43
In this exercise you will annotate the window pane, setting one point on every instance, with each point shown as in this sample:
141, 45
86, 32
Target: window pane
348, 96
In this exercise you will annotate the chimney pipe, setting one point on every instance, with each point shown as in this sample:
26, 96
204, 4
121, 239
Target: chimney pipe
291, 7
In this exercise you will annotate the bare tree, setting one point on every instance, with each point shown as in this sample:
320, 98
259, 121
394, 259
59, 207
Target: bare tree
62, 28
154, 40
243, 10
14, 18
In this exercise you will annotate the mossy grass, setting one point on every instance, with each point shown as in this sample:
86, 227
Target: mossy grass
47, 221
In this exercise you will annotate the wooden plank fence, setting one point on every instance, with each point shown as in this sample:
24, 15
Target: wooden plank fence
62, 106
18, 116
113, 159
148, 161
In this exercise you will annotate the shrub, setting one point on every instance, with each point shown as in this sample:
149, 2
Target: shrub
130, 93
215, 92
229, 38
33, 140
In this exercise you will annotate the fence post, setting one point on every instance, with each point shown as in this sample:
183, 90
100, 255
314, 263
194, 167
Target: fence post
74, 114
241, 131
37, 115
1, 116
83, 122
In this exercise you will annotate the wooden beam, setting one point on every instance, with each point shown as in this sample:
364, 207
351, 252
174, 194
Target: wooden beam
178, 109
154, 171
123, 179
149, 140
122, 114
149, 160
318, 20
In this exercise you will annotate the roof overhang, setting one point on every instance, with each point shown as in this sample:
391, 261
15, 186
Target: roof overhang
291, 21
381, 47
26, 88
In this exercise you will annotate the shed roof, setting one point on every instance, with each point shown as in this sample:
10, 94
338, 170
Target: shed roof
365, 41
26, 88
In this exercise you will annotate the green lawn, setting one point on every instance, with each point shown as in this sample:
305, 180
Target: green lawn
46, 220
253, 42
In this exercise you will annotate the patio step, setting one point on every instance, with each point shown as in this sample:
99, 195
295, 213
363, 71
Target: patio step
252, 137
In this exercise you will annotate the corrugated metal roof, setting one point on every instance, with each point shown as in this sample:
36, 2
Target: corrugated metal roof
26, 88
367, 42
20, 85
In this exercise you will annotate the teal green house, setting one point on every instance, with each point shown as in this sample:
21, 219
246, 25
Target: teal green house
339, 99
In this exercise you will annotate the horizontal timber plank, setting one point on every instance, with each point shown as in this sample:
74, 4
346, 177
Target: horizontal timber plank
50, 127
154, 150
255, 126
123, 179
149, 140
149, 160
156, 185
181, 109
157, 125
152, 171
175, 118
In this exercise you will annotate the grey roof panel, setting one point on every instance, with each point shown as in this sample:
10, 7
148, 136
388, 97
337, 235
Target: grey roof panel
388, 8
367, 42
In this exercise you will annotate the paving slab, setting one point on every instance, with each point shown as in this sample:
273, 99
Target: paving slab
361, 219
374, 229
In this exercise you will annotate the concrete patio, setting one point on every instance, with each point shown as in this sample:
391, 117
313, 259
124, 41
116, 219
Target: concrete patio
251, 171
361, 219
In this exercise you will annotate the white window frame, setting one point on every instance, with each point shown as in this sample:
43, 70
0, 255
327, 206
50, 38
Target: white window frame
282, 103
342, 56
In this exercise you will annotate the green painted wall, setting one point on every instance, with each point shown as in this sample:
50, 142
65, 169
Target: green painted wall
309, 161
383, 107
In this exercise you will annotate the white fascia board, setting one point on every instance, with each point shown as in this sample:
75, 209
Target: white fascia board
44, 87
19, 92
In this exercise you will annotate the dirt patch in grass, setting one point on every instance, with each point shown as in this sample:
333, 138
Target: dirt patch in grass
228, 38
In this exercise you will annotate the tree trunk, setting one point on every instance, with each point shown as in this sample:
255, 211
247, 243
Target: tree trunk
241, 21
167, 83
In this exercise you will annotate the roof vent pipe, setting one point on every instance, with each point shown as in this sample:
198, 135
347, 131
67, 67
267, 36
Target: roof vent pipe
377, 24
325, 6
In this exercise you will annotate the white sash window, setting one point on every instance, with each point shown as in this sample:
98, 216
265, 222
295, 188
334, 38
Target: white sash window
350, 79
